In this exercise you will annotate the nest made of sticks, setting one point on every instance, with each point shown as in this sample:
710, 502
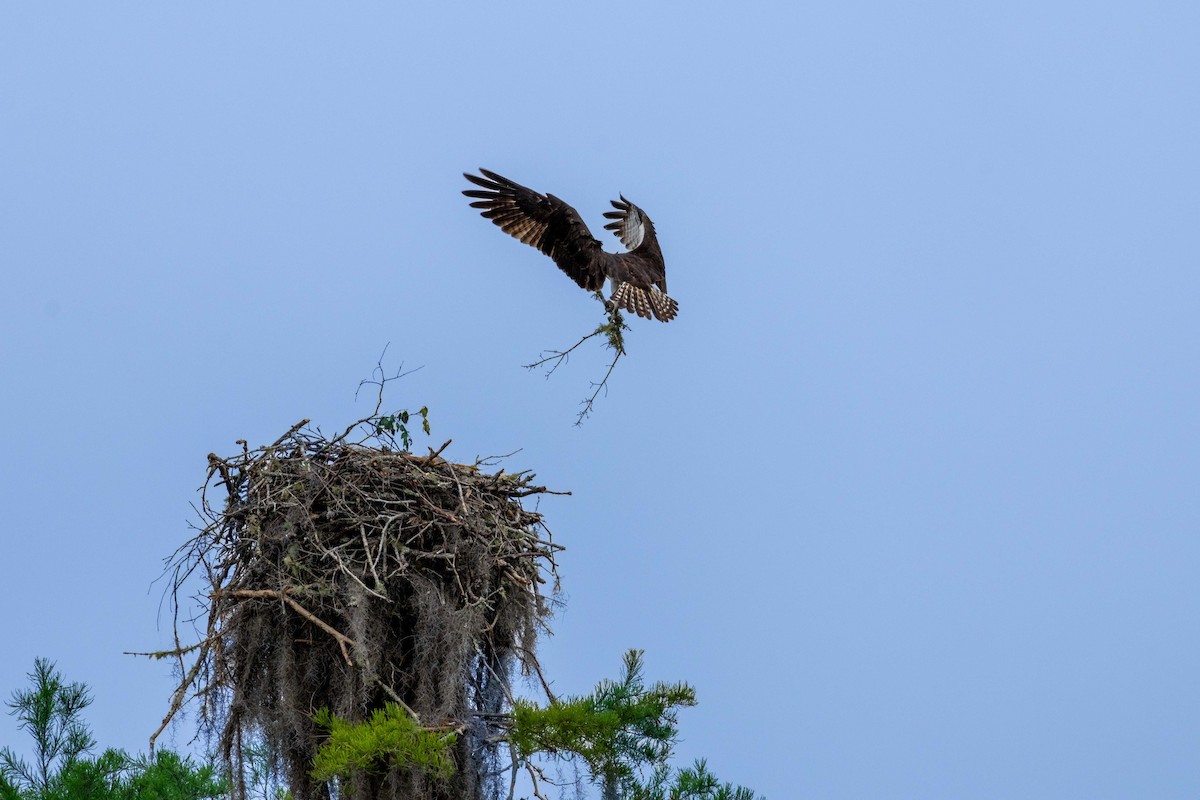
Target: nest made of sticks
345, 575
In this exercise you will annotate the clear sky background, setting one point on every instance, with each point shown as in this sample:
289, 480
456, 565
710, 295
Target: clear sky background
908, 491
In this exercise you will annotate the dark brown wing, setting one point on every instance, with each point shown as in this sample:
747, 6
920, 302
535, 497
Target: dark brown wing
635, 230
543, 221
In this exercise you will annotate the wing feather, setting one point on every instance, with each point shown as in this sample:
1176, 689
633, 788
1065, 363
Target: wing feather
630, 224
542, 221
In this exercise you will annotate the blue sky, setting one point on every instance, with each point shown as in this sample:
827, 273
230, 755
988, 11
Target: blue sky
908, 491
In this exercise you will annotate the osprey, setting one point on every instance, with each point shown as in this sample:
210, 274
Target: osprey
639, 277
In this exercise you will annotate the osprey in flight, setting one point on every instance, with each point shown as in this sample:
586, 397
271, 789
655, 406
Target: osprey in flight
639, 277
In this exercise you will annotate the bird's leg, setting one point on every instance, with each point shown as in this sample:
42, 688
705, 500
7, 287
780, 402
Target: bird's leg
609, 306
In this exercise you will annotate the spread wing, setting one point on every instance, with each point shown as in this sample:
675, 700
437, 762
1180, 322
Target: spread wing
543, 221
641, 273
630, 224
635, 230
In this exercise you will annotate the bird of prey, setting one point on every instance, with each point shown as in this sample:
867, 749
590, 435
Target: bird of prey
638, 277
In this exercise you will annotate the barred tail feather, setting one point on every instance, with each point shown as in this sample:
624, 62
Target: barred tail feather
645, 303
632, 299
665, 308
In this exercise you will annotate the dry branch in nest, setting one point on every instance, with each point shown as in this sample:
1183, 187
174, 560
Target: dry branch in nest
346, 574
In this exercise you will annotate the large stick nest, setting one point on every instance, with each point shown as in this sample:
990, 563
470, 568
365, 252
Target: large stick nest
345, 575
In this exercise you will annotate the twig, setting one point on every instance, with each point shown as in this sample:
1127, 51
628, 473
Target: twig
435, 453
613, 331
290, 432
512, 786
379, 378
398, 700
559, 357
177, 700
535, 772
537, 490
283, 594
591, 401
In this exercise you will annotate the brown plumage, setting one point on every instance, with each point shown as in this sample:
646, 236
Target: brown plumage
639, 277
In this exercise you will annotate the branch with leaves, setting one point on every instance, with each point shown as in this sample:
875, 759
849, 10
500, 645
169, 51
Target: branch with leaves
624, 733
391, 736
64, 768
612, 329
389, 426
